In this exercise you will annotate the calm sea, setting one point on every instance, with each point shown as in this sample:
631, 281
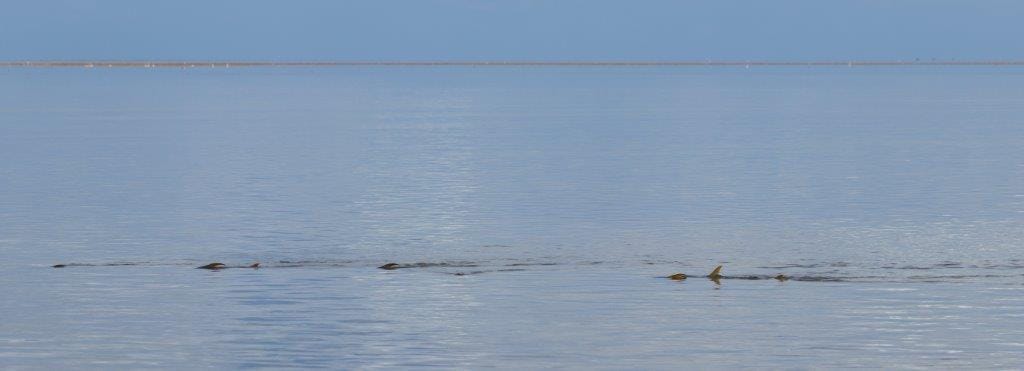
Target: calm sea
534, 210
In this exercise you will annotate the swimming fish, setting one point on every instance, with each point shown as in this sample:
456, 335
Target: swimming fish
715, 275
677, 277
216, 266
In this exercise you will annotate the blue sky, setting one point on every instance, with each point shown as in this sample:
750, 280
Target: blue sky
512, 29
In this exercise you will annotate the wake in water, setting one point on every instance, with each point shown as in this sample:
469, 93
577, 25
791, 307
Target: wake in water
1010, 270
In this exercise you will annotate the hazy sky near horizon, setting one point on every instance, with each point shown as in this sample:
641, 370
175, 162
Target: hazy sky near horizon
512, 29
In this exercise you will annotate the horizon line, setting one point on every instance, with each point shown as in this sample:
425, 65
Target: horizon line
524, 63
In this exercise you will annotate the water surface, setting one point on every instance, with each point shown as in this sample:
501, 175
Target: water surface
537, 208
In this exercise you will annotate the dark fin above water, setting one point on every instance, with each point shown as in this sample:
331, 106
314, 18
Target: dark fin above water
213, 266
254, 266
390, 266
677, 277
60, 265
781, 277
716, 274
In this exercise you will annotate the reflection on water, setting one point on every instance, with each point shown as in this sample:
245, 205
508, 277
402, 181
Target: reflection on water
605, 317
534, 213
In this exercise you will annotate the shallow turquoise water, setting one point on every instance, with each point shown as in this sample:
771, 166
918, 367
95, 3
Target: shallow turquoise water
538, 207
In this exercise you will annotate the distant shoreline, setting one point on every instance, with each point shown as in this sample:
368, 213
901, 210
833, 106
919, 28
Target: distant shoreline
228, 64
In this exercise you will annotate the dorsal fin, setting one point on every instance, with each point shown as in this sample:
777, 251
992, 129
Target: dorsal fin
717, 273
